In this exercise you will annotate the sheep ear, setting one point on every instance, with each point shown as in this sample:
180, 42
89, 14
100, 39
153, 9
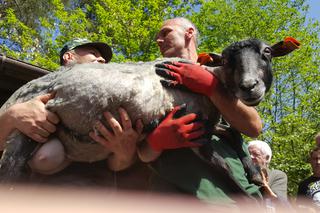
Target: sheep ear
210, 59
284, 47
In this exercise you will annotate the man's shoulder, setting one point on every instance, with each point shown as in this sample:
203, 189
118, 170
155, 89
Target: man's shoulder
304, 184
309, 180
277, 172
277, 177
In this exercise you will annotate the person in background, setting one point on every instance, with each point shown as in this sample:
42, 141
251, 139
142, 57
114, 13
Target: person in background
276, 181
309, 189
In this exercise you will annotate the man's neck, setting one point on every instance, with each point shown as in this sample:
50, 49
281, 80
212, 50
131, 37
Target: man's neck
190, 54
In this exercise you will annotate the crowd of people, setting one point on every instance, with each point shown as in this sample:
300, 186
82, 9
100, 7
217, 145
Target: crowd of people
177, 169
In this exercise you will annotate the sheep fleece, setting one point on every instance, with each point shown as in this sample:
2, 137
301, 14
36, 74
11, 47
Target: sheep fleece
85, 91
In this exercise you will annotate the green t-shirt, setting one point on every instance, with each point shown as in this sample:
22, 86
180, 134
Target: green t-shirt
189, 174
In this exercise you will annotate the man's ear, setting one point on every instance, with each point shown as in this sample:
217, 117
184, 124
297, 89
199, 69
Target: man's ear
189, 33
284, 47
267, 157
68, 56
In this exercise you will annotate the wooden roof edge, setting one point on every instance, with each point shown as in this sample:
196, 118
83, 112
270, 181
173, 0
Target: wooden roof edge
17, 68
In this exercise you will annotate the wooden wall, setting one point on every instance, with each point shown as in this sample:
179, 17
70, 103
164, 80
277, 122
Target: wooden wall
14, 74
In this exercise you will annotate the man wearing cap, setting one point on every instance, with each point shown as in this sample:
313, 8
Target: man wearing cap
35, 121
80, 51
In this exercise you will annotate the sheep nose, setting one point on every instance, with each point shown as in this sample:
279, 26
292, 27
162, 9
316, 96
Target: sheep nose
248, 84
159, 42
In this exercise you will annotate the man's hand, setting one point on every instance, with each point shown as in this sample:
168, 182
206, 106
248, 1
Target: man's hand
174, 133
194, 77
121, 141
265, 187
33, 119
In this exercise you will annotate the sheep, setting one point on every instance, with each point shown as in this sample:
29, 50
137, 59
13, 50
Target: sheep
140, 93
84, 92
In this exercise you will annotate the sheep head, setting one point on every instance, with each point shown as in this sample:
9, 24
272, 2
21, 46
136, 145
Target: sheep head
246, 67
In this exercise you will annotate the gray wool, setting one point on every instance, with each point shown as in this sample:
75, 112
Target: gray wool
85, 91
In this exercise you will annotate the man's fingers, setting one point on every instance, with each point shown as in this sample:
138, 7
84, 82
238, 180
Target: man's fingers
99, 140
173, 84
139, 126
189, 118
103, 131
38, 138
114, 124
176, 76
193, 126
162, 65
166, 62
181, 111
46, 97
41, 131
194, 135
174, 63
181, 63
169, 83
171, 65
173, 112
49, 127
168, 74
52, 117
125, 119
164, 72
176, 68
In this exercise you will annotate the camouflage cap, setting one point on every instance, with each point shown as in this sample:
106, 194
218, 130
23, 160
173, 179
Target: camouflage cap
103, 48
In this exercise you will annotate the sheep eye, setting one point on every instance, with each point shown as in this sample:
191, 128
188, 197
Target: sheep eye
224, 61
267, 51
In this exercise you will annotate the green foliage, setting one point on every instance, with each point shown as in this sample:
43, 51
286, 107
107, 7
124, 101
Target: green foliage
131, 26
35, 31
128, 26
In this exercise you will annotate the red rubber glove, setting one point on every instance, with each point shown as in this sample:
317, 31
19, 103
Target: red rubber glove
194, 77
177, 133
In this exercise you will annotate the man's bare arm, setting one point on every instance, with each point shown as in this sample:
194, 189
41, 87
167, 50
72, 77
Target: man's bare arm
31, 118
240, 116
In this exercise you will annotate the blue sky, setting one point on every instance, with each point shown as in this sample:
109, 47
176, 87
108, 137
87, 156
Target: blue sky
314, 10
